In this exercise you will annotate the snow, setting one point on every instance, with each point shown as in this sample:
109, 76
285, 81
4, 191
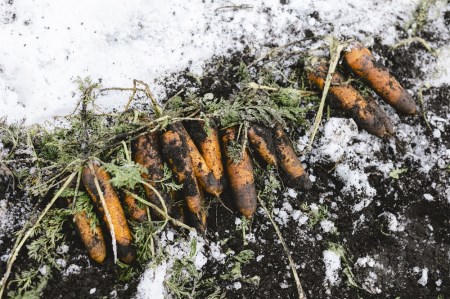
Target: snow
46, 45
337, 134
428, 197
332, 265
393, 224
440, 74
72, 269
170, 235
216, 252
61, 262
43, 270
327, 226
423, 280
151, 284
12, 216
291, 193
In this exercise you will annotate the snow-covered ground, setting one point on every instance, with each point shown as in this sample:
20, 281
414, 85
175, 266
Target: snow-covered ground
47, 44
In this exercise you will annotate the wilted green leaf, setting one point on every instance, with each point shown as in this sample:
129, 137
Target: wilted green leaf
395, 173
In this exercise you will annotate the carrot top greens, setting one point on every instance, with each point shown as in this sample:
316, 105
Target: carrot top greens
49, 159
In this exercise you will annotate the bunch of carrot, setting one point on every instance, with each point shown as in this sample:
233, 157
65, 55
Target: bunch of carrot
364, 110
203, 159
194, 151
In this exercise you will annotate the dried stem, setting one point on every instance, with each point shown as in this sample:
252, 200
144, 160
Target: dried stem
335, 52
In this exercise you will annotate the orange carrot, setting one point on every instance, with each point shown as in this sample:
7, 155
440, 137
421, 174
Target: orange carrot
260, 139
197, 221
364, 111
240, 175
204, 175
134, 210
289, 161
92, 238
122, 233
362, 63
146, 152
209, 146
175, 151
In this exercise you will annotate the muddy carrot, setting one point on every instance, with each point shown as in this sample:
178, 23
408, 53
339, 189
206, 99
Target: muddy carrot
240, 175
365, 111
146, 152
261, 141
289, 161
362, 63
134, 210
197, 221
209, 146
121, 231
175, 151
92, 239
204, 175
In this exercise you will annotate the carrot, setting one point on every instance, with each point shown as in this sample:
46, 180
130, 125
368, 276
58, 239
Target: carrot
121, 231
134, 210
204, 175
260, 139
209, 146
146, 152
365, 111
175, 151
289, 161
240, 175
92, 238
362, 63
197, 221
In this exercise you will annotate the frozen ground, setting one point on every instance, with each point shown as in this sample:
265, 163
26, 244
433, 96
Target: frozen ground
376, 216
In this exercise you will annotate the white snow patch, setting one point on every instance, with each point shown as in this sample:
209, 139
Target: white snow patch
428, 197
423, 280
327, 226
337, 134
291, 193
332, 265
393, 224
151, 284
72, 269
170, 235
216, 253
355, 181
439, 72
61, 262
47, 44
